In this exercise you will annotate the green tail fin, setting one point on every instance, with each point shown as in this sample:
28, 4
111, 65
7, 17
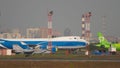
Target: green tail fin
102, 39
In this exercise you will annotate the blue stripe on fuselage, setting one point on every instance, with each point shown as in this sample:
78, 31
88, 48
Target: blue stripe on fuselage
9, 44
58, 43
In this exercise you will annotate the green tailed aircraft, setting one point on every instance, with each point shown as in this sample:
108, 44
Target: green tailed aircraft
104, 43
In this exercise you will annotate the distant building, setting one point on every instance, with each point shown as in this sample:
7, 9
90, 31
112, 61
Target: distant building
40, 33
5, 35
10, 35
13, 34
30, 33
16, 33
33, 33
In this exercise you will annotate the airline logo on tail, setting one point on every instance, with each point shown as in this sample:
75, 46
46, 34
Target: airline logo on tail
101, 38
103, 41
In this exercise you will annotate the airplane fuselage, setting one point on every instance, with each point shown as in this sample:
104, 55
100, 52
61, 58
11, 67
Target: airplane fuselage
59, 42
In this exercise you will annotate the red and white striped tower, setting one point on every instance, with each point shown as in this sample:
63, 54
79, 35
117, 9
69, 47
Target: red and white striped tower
83, 26
50, 29
87, 30
87, 19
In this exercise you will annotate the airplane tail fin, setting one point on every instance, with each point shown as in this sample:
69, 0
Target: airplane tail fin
102, 40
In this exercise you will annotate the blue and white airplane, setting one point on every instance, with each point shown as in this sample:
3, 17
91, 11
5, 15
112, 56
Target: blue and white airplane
29, 45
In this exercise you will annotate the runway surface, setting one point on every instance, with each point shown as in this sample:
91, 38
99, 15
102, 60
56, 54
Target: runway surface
77, 60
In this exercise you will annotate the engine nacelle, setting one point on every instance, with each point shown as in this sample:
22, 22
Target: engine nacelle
52, 48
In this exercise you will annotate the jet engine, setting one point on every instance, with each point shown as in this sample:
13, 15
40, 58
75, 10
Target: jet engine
52, 48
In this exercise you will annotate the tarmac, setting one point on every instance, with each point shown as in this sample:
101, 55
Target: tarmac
49, 59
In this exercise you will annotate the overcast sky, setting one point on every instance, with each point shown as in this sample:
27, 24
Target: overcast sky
22, 14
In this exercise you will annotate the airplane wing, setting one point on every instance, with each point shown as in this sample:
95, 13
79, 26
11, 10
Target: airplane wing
2, 46
18, 49
37, 48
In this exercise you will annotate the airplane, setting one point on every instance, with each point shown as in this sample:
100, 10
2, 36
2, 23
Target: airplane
41, 44
104, 43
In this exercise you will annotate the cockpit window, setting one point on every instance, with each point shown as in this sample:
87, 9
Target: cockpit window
74, 37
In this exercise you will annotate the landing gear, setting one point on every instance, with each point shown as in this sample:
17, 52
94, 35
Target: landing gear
102, 49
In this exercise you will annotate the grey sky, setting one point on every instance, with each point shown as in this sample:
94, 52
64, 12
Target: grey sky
67, 14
